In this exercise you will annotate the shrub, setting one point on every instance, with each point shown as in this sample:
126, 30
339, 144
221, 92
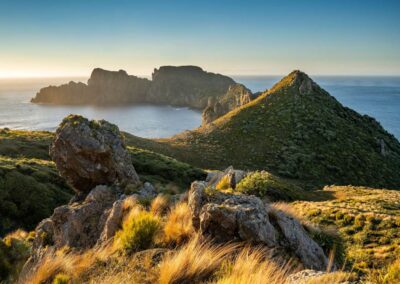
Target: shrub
265, 184
138, 231
62, 278
29, 192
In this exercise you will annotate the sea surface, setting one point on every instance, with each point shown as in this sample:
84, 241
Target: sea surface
378, 97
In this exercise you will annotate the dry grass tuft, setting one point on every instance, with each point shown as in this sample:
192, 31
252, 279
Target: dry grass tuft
252, 267
331, 278
178, 227
67, 263
194, 262
159, 205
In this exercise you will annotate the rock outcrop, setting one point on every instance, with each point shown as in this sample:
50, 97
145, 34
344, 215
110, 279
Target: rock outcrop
235, 217
186, 86
77, 225
174, 85
236, 96
90, 153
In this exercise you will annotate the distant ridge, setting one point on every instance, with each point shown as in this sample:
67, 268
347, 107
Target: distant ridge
188, 86
295, 129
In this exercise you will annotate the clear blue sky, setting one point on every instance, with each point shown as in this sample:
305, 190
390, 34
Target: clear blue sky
42, 38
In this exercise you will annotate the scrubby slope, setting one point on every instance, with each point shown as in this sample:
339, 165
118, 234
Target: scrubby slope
296, 129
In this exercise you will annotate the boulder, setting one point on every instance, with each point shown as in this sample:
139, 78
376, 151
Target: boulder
297, 239
236, 217
78, 225
90, 153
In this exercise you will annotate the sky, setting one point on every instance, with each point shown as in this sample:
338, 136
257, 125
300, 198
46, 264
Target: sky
70, 38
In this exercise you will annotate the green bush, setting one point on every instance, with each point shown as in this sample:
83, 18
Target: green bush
138, 231
14, 251
30, 189
265, 184
62, 278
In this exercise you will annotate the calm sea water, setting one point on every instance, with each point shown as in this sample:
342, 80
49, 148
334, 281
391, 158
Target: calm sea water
378, 97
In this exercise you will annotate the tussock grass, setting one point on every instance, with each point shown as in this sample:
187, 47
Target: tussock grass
159, 205
194, 262
66, 263
178, 226
252, 266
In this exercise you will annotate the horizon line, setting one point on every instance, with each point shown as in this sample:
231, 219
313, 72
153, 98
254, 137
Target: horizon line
80, 76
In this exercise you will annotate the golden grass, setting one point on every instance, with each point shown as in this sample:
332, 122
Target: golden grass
194, 262
178, 227
68, 263
252, 267
330, 278
159, 205
224, 183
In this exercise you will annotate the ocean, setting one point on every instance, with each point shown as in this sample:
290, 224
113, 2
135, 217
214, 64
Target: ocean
378, 97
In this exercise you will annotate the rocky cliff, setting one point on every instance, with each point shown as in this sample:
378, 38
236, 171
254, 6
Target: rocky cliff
236, 96
188, 86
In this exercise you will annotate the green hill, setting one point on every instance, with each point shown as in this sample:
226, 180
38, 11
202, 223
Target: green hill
297, 130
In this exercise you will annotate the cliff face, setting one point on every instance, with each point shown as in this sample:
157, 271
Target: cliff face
236, 96
182, 86
117, 87
186, 86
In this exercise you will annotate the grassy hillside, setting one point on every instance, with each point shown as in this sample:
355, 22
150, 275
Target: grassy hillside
368, 220
296, 130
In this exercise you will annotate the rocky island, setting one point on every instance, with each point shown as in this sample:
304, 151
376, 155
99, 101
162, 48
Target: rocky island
188, 86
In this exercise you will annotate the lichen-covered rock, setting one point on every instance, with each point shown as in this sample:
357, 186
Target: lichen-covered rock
90, 153
297, 239
78, 225
236, 217
227, 217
